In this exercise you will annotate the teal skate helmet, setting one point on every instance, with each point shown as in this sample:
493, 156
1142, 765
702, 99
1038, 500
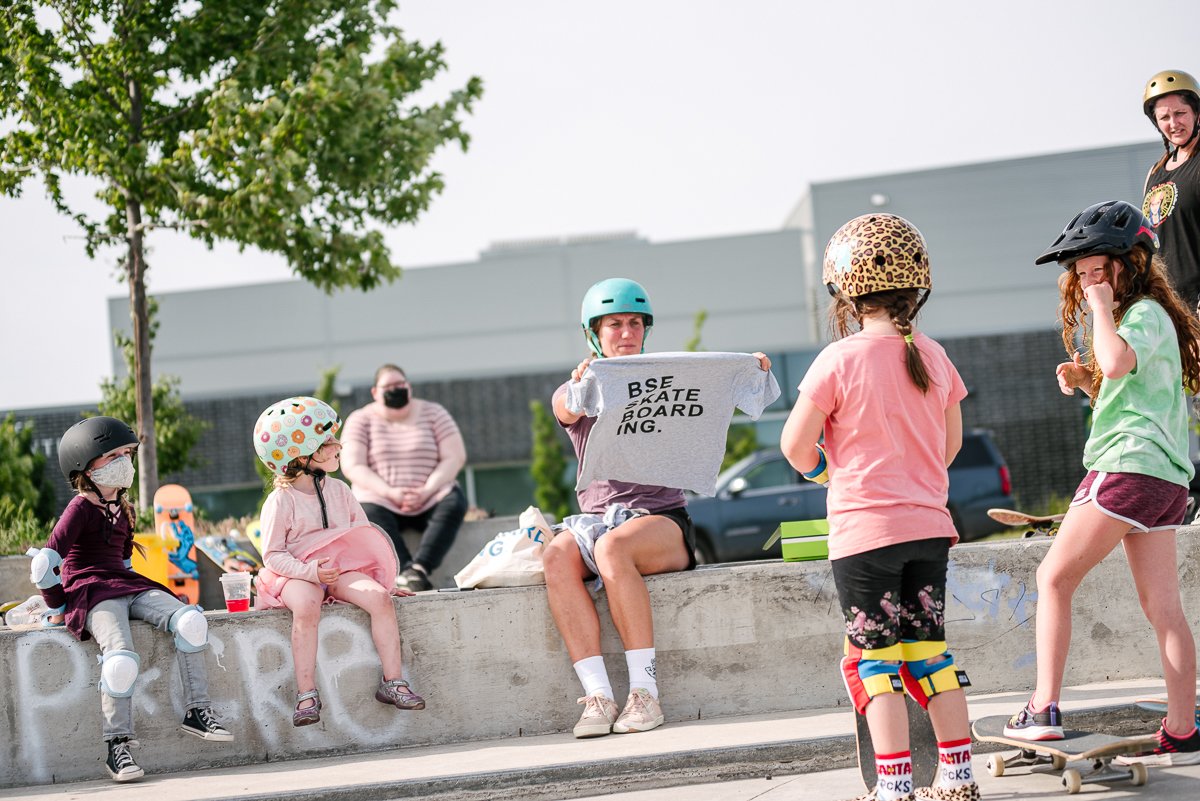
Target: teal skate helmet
613, 296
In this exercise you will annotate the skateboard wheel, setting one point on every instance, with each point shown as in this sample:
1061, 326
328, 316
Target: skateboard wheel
1072, 781
995, 765
1138, 774
1057, 762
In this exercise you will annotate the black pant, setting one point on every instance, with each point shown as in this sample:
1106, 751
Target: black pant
438, 525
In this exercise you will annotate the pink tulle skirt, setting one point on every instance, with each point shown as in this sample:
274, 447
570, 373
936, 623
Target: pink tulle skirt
361, 549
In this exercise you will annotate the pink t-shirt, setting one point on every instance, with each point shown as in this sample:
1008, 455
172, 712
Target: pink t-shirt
885, 441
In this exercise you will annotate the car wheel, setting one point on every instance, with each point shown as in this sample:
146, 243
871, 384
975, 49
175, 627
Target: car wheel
703, 551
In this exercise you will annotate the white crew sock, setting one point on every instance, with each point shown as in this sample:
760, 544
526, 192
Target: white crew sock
895, 776
954, 763
641, 670
594, 677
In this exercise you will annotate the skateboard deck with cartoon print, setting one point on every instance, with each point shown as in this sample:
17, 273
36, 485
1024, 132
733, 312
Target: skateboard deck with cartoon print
922, 743
1034, 525
1075, 746
174, 520
229, 552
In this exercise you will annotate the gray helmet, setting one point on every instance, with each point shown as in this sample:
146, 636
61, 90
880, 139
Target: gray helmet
90, 438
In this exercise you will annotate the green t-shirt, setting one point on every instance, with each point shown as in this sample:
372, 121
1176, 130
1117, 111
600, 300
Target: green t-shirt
1140, 423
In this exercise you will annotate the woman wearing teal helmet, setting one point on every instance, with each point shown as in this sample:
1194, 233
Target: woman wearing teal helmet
616, 317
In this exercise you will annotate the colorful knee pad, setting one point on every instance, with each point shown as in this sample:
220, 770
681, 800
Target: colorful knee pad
871, 672
929, 669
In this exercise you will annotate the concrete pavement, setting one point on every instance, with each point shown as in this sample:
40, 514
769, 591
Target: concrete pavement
807, 755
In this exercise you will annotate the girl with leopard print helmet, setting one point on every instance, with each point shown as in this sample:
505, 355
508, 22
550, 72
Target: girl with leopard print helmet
878, 263
873, 253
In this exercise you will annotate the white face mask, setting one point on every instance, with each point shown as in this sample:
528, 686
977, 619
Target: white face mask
117, 473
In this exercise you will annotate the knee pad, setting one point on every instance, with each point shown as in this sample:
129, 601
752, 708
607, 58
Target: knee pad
929, 669
44, 572
118, 671
190, 629
868, 673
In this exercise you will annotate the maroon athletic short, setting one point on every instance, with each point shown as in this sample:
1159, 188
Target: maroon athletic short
1144, 502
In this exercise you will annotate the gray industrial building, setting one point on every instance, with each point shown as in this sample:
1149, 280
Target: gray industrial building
485, 337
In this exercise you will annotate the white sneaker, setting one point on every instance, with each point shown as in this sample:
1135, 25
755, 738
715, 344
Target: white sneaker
599, 712
642, 712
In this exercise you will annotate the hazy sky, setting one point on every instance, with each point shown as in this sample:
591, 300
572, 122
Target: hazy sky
675, 118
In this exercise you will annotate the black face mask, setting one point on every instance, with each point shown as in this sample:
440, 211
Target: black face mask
396, 398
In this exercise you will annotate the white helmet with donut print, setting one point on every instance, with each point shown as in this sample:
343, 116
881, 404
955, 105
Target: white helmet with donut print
293, 428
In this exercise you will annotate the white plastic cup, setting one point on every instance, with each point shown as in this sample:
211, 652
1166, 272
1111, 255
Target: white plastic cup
236, 587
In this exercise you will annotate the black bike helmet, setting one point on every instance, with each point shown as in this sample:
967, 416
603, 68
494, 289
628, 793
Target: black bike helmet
1111, 227
90, 438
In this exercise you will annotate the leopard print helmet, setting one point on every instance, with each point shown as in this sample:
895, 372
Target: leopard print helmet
873, 253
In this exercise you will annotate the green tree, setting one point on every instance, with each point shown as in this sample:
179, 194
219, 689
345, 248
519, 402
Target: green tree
740, 440
176, 432
22, 473
551, 493
286, 125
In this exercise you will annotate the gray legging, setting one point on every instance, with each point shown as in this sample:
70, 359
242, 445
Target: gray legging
108, 621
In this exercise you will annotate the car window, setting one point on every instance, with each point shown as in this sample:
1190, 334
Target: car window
775, 473
974, 453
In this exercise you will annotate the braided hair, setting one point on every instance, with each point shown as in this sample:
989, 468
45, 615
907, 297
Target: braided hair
901, 305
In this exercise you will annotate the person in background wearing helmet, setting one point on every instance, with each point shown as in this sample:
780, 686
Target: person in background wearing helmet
886, 399
1172, 191
319, 546
86, 577
1140, 356
403, 456
656, 538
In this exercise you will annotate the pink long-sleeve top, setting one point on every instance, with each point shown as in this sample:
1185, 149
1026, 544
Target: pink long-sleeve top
291, 523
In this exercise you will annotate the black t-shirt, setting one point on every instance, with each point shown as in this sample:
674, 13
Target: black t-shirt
1172, 203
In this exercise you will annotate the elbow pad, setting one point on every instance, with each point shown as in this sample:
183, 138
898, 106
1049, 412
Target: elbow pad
46, 567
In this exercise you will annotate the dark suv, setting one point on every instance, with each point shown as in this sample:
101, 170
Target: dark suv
758, 493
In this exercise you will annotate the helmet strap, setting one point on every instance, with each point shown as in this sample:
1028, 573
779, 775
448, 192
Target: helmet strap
318, 476
921, 303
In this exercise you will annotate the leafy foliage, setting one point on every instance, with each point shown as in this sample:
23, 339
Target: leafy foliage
552, 494
23, 472
176, 432
292, 126
20, 529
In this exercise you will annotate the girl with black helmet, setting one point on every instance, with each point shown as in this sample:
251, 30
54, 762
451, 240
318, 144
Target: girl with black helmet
1172, 190
886, 398
1140, 358
86, 578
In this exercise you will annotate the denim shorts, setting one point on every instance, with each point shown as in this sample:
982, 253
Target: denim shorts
1144, 502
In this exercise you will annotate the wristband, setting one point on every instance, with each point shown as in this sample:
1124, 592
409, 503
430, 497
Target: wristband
820, 473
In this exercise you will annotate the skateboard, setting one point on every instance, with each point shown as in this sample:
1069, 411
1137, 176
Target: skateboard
922, 743
1159, 705
1035, 525
1098, 749
254, 534
173, 519
229, 553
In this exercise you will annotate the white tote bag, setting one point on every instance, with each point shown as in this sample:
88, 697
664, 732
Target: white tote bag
511, 558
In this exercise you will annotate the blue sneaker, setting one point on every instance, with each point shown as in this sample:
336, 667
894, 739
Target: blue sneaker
1030, 725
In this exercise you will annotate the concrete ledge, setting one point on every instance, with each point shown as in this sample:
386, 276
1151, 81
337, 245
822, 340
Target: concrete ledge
748, 638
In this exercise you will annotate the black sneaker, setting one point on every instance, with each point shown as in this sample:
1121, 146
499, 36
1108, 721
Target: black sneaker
1171, 750
415, 579
1030, 725
120, 762
203, 723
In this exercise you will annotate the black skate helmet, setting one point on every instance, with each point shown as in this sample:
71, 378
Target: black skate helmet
90, 438
1113, 227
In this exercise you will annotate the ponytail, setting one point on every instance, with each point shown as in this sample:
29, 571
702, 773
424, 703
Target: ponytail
901, 306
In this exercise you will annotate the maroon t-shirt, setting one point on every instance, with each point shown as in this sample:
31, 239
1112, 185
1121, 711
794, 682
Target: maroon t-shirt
598, 495
94, 550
